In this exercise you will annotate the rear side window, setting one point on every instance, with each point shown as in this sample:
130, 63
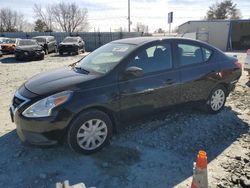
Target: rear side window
191, 54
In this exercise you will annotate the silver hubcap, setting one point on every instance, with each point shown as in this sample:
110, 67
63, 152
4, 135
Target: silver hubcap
217, 99
92, 134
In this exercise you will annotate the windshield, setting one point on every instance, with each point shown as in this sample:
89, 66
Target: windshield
3, 41
106, 57
40, 39
26, 42
70, 39
10, 41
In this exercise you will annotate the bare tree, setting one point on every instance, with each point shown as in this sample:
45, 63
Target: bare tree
141, 28
68, 16
10, 20
44, 15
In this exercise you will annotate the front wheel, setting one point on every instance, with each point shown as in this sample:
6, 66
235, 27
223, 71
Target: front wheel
216, 100
89, 132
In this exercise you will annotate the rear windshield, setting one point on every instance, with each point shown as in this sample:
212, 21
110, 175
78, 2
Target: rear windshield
70, 39
26, 42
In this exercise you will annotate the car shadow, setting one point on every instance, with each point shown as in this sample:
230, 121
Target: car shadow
12, 60
156, 151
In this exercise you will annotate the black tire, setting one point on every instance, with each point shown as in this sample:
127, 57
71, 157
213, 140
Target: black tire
82, 120
78, 51
42, 57
60, 53
210, 105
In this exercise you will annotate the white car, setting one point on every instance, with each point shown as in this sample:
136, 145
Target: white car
247, 62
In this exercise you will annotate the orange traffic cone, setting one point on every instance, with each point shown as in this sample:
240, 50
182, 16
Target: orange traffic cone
200, 171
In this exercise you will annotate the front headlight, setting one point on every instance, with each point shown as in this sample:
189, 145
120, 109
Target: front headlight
43, 107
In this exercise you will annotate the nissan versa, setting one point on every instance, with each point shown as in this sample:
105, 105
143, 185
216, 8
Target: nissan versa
86, 102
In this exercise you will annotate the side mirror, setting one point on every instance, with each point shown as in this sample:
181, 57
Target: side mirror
132, 72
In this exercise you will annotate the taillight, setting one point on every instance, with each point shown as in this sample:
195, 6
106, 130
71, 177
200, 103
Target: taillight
248, 52
238, 65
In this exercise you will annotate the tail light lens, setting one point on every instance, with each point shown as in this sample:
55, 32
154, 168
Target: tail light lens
238, 65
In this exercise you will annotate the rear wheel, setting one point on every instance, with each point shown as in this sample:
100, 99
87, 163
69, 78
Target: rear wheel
216, 100
89, 132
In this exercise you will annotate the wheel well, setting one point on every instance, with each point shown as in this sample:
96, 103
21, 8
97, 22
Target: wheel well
226, 86
100, 108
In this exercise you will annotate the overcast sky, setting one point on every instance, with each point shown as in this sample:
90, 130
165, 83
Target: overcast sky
106, 14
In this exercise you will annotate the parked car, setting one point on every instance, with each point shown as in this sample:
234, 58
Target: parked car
9, 45
124, 79
72, 45
48, 43
28, 49
247, 62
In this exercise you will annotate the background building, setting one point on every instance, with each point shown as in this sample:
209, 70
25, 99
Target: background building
224, 34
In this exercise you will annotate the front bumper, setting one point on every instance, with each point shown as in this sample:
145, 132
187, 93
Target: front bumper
29, 55
40, 131
68, 48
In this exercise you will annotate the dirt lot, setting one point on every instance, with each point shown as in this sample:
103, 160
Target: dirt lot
155, 152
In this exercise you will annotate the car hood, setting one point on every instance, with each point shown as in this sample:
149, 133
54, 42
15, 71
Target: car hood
57, 80
9, 44
29, 48
41, 43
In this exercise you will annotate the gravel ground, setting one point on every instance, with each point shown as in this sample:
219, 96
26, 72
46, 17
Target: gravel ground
154, 152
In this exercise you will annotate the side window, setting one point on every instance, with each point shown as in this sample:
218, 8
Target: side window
189, 54
153, 59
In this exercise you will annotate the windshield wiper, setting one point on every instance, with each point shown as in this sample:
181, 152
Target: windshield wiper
82, 69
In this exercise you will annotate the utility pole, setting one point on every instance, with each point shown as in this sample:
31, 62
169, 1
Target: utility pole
128, 15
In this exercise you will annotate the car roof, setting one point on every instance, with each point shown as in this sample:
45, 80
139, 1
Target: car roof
43, 36
142, 40
27, 39
73, 37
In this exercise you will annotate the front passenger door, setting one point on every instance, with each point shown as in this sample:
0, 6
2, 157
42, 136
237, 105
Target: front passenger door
158, 86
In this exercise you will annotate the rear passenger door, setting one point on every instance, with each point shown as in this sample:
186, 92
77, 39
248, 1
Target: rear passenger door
197, 69
158, 86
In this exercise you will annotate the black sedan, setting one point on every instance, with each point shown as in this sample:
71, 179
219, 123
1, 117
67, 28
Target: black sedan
28, 49
124, 79
71, 45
